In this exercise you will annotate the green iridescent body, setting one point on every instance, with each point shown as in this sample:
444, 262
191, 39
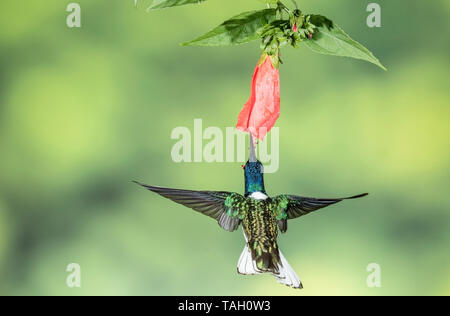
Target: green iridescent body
260, 220
238, 206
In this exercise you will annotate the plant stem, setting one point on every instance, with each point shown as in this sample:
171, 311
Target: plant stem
285, 8
295, 3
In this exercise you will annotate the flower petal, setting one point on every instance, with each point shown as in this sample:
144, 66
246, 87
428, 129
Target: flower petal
262, 110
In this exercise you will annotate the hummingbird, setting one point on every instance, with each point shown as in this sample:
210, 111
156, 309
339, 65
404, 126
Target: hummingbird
260, 216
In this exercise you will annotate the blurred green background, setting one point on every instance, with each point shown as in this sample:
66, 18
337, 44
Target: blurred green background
84, 111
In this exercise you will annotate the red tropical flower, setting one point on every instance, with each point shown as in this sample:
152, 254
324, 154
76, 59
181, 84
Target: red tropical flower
262, 109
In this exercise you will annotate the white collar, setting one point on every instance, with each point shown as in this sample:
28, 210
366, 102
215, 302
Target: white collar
258, 196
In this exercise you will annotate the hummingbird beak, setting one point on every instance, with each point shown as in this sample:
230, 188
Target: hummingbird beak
251, 150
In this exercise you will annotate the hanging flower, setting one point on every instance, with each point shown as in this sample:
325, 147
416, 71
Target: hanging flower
262, 109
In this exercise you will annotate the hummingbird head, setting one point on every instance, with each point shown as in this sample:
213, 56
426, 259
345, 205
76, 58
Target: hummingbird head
253, 172
254, 177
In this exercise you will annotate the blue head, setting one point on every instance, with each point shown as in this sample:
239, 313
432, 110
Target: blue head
254, 177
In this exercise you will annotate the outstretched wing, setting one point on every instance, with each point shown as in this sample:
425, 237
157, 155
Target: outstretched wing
222, 206
293, 206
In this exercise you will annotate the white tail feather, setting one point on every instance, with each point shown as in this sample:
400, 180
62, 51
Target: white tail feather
287, 275
246, 264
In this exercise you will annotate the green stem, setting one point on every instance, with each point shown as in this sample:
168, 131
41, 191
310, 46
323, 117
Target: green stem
285, 8
295, 3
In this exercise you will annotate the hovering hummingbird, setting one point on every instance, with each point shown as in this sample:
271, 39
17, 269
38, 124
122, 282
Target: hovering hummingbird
261, 217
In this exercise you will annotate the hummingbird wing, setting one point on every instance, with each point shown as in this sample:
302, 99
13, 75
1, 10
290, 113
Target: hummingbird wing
293, 206
222, 206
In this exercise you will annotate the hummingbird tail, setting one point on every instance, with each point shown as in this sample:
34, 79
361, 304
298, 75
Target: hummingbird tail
287, 275
250, 263
246, 264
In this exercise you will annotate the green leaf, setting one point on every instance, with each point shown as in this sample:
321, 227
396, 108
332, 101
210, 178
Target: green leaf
240, 29
160, 4
330, 39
